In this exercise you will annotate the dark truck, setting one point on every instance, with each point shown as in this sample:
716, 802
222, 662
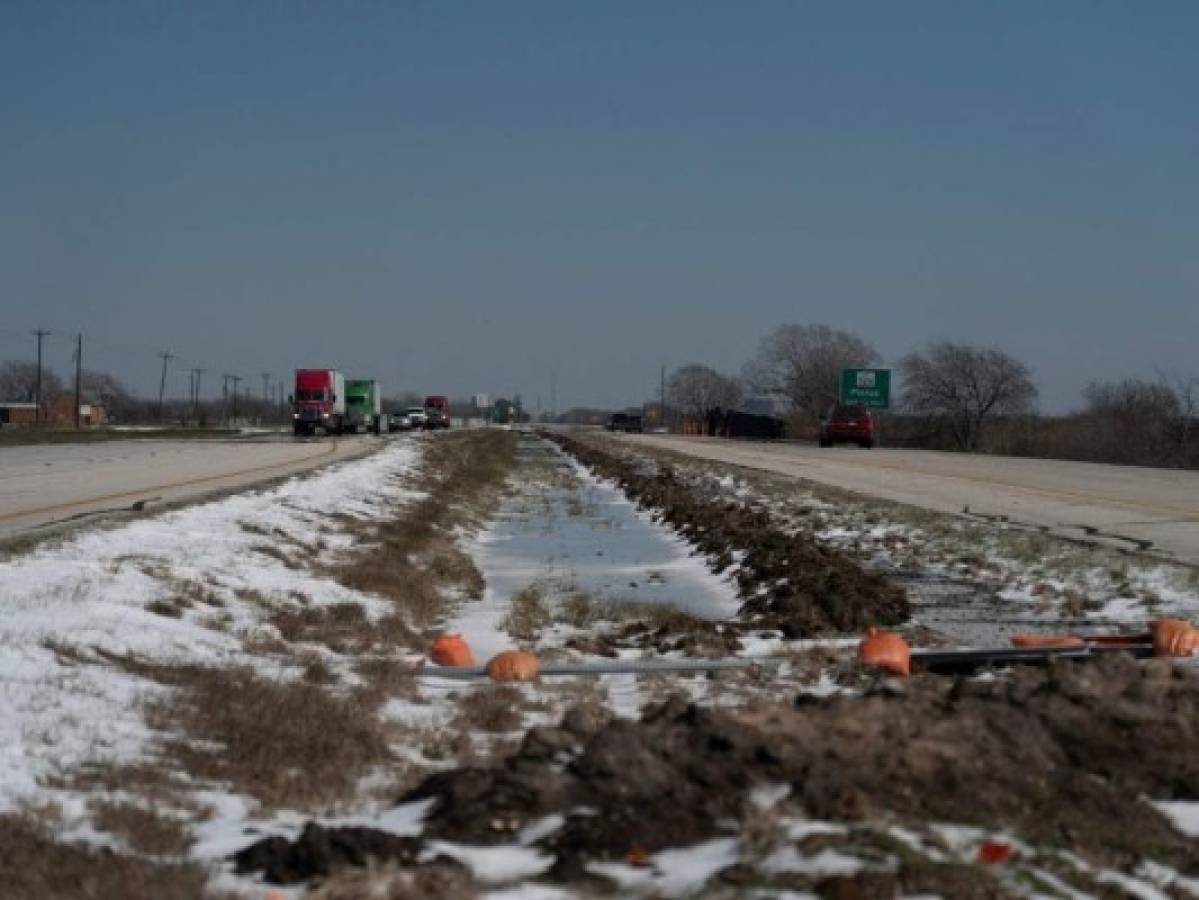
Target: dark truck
627, 422
437, 412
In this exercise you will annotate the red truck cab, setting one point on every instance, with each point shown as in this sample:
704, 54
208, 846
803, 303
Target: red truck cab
319, 401
437, 411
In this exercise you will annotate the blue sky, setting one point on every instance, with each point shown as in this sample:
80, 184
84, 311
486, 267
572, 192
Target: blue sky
461, 197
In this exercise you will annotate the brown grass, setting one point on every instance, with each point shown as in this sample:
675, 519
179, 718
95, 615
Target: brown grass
144, 830
414, 558
33, 866
528, 614
492, 709
288, 743
435, 881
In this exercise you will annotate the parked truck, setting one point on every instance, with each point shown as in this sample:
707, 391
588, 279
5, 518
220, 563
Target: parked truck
319, 402
364, 406
437, 412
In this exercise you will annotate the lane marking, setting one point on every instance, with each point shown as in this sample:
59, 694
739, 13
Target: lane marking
121, 495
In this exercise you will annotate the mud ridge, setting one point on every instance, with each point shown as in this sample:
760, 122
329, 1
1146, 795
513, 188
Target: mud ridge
1063, 757
787, 581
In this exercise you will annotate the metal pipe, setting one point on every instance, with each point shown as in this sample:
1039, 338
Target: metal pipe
618, 667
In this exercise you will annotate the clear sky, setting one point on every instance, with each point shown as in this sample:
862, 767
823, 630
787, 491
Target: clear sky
458, 197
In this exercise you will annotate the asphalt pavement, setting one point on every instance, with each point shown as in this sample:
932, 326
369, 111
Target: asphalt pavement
1133, 507
51, 485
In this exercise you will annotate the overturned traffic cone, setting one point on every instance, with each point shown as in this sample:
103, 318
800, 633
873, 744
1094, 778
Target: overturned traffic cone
1174, 637
513, 665
450, 649
886, 651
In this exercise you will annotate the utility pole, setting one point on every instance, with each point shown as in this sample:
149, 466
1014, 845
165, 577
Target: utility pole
662, 401
225, 396
266, 386
78, 377
37, 390
162, 385
197, 374
236, 381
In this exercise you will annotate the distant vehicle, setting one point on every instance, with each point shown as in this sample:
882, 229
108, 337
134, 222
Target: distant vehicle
437, 411
319, 402
416, 416
399, 421
847, 423
627, 422
364, 406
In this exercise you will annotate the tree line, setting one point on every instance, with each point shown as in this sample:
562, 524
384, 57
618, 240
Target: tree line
954, 396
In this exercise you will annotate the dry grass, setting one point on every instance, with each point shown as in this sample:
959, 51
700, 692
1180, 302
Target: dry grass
342, 627
386, 676
34, 866
414, 558
142, 829
389, 882
528, 614
288, 743
492, 709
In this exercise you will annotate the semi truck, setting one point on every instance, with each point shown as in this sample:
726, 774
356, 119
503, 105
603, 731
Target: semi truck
364, 406
437, 411
319, 402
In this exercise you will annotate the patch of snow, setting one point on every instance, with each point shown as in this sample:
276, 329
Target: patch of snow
493, 865
674, 872
544, 827
1183, 815
825, 864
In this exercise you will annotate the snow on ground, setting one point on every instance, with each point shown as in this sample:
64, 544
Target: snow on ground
976, 582
581, 534
202, 566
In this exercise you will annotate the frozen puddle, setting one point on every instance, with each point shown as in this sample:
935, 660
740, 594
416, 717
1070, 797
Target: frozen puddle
565, 531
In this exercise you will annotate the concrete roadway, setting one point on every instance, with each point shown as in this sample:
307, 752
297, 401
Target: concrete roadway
50, 485
1156, 510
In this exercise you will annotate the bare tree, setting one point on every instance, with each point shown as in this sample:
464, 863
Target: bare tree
964, 386
698, 390
803, 363
1140, 422
18, 383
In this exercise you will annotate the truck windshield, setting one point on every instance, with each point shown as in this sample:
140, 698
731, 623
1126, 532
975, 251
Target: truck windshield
310, 396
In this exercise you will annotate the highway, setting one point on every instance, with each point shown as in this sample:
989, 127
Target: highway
49, 485
1156, 510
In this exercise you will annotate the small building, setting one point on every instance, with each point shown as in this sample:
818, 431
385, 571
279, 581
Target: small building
18, 414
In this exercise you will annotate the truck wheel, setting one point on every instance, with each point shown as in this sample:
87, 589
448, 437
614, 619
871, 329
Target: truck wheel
298, 429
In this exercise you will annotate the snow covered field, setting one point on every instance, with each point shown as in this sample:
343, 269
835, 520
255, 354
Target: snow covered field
186, 587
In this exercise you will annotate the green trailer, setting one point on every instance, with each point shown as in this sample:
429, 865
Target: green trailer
364, 406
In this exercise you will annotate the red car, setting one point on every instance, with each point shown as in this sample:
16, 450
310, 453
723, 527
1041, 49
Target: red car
847, 424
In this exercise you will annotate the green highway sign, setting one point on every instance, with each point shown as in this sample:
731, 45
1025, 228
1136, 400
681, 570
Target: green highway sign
866, 387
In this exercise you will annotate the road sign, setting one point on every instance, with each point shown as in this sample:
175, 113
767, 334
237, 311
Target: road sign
866, 387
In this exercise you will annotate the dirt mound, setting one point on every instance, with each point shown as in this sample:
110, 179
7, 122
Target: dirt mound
788, 581
318, 852
1061, 756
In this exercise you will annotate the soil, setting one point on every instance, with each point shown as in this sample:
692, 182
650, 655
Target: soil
320, 852
1060, 756
787, 581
